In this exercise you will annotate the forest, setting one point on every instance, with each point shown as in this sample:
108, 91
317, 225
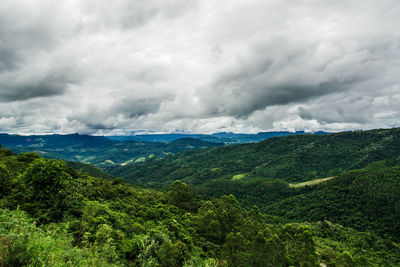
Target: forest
295, 158
57, 213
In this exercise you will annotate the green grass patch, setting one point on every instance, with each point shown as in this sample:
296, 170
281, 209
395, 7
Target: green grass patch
141, 159
239, 176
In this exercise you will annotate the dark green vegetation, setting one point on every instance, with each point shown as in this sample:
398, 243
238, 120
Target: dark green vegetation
365, 199
98, 150
53, 215
294, 158
363, 195
89, 170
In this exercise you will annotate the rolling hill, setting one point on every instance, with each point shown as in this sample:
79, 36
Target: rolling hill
295, 158
365, 199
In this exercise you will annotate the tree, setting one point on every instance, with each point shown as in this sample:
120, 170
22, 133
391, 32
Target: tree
47, 183
208, 224
180, 195
235, 250
230, 214
5, 180
299, 245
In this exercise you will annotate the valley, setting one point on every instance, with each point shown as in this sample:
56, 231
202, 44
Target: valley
99, 150
302, 200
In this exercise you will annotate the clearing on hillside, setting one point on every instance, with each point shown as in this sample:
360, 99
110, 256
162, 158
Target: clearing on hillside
312, 182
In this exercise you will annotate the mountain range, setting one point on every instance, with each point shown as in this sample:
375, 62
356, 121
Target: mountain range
98, 150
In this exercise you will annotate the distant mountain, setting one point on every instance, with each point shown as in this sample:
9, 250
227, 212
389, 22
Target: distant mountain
98, 150
225, 137
53, 140
166, 138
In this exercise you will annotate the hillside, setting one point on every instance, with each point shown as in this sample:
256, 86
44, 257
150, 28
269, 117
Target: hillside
53, 215
295, 158
365, 199
89, 169
98, 150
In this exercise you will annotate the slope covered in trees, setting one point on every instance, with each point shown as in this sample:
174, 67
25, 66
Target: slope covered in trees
53, 215
293, 158
365, 199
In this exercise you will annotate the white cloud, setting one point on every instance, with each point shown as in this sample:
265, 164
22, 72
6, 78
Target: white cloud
200, 66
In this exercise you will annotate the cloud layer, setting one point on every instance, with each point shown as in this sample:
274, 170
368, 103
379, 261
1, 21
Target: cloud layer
106, 67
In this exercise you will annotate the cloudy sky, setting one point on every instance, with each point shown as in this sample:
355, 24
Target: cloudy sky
107, 67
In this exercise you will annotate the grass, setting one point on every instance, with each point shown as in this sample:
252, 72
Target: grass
239, 176
312, 182
141, 159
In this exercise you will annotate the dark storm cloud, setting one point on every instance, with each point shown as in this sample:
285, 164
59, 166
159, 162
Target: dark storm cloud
337, 114
8, 59
344, 109
29, 35
51, 85
242, 102
24, 30
117, 113
256, 83
138, 107
289, 69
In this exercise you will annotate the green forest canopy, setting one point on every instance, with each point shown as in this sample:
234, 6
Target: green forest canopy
53, 215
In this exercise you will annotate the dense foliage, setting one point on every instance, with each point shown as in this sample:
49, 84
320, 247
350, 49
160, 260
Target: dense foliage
365, 199
89, 169
53, 215
293, 158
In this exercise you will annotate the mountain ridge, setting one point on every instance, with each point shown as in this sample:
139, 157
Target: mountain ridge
293, 158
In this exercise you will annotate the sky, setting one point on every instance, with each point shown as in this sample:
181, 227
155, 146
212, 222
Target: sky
112, 67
